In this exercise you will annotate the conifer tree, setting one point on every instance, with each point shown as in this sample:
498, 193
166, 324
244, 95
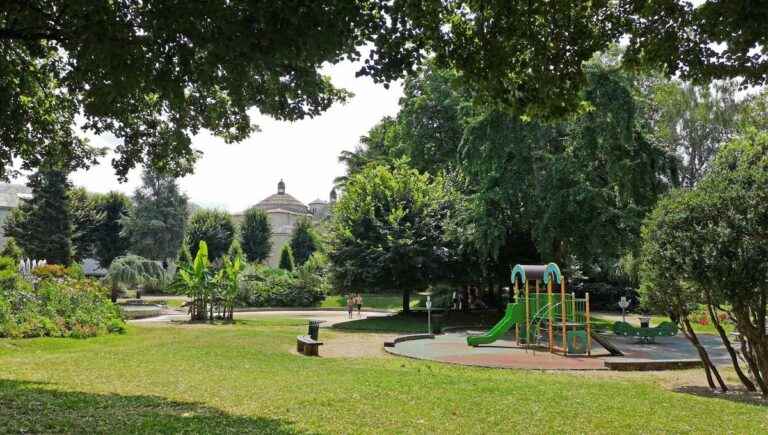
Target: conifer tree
286, 259
42, 225
304, 242
255, 235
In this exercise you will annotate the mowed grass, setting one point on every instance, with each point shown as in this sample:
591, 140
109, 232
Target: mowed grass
243, 378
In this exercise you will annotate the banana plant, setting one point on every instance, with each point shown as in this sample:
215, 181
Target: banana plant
197, 282
229, 283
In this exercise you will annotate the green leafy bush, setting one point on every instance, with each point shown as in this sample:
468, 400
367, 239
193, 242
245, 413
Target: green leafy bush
49, 271
278, 288
57, 307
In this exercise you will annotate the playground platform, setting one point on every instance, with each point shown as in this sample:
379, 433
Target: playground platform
666, 353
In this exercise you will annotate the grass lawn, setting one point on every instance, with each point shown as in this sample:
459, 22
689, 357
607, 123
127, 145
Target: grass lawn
378, 301
243, 378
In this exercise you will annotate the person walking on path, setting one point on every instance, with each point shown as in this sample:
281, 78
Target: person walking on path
359, 304
350, 304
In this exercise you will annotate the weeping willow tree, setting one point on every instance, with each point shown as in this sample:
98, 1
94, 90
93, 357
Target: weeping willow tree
132, 271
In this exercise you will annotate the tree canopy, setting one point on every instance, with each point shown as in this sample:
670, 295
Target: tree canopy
215, 228
154, 73
711, 241
385, 232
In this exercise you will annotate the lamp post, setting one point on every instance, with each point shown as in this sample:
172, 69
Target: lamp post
428, 294
623, 304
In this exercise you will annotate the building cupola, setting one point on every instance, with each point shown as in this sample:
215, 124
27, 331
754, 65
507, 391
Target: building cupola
281, 188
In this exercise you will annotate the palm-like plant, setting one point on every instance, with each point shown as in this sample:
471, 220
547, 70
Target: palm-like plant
229, 283
196, 280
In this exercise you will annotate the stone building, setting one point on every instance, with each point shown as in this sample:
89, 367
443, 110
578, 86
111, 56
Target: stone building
284, 211
10, 197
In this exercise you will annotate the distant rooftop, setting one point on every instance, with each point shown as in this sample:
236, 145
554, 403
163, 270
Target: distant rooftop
12, 194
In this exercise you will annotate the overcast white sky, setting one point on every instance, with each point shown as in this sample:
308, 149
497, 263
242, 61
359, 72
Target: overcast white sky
304, 154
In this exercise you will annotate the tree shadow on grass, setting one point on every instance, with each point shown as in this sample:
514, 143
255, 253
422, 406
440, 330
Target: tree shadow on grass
738, 395
29, 407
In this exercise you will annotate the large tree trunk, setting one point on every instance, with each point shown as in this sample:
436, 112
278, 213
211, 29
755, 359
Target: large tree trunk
709, 368
406, 301
724, 337
757, 340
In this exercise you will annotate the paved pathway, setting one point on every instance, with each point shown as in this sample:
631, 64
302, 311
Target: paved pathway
329, 318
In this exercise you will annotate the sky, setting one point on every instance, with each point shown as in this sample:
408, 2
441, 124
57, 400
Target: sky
304, 154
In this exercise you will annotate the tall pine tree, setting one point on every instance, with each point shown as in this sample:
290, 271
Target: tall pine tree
110, 241
156, 226
42, 225
255, 235
304, 242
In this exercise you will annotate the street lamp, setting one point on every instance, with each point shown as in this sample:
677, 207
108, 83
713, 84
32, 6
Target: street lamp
428, 294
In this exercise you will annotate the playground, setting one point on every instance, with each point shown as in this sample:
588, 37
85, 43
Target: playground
547, 328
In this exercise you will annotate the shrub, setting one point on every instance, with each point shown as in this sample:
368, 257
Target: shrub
286, 259
62, 307
12, 250
9, 274
75, 271
278, 288
49, 271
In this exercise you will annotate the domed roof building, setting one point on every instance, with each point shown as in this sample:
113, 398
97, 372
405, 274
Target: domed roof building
284, 211
282, 201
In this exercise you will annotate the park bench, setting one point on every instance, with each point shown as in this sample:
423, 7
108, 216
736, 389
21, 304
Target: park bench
645, 335
309, 344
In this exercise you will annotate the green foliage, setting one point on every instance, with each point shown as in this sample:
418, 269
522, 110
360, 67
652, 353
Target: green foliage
197, 281
215, 227
110, 241
135, 271
63, 307
304, 241
50, 271
11, 250
286, 259
536, 70
707, 245
85, 220
519, 189
156, 225
693, 122
313, 275
279, 288
255, 235
385, 232
9, 273
42, 225
228, 280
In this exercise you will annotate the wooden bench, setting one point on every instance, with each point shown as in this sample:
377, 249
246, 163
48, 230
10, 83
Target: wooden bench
307, 346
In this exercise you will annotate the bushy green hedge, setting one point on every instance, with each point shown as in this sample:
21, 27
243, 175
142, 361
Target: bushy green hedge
56, 307
280, 288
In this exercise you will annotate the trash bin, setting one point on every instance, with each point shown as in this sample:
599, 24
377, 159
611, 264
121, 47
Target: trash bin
314, 329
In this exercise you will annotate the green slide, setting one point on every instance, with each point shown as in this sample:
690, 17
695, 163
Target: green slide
515, 313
